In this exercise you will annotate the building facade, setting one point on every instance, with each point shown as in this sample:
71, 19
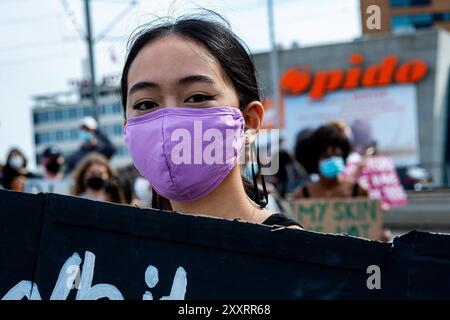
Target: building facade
403, 15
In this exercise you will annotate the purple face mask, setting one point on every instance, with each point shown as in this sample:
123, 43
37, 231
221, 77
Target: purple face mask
185, 153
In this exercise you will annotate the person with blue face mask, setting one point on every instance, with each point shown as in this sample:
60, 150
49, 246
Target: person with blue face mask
325, 154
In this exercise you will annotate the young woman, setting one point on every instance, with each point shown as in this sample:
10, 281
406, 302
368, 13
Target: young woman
193, 77
324, 153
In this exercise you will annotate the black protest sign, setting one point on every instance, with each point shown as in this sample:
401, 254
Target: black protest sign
21, 217
95, 250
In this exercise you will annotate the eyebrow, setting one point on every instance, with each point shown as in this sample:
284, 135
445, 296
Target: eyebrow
194, 78
143, 85
180, 82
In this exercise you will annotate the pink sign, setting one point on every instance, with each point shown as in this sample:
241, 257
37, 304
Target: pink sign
378, 175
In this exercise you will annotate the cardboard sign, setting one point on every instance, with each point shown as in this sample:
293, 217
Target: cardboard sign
359, 217
380, 178
58, 247
61, 186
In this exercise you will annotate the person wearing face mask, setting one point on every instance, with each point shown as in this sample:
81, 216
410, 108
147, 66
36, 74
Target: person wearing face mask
325, 154
189, 113
91, 176
52, 161
53, 180
92, 140
15, 171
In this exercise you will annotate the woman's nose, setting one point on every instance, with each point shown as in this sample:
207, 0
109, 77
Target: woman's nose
171, 102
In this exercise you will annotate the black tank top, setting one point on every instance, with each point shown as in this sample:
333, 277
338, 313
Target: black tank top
278, 219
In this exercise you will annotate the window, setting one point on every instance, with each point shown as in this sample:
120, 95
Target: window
87, 111
40, 117
401, 22
58, 115
108, 129
66, 135
50, 116
422, 21
46, 116
117, 108
59, 136
72, 113
74, 134
112, 108
45, 138
51, 137
411, 22
79, 111
108, 109
65, 114
441, 16
117, 129
112, 129
400, 3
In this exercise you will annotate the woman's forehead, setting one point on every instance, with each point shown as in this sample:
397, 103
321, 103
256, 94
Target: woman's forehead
96, 166
171, 58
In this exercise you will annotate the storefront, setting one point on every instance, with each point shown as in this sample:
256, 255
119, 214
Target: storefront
391, 90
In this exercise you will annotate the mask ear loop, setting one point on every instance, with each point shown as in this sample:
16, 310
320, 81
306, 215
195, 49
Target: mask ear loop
261, 202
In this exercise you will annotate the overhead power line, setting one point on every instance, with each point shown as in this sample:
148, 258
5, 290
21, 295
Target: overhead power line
71, 14
87, 35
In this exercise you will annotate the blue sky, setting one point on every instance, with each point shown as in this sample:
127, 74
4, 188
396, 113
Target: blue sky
41, 49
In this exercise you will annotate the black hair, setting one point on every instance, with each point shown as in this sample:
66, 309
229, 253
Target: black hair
312, 147
213, 32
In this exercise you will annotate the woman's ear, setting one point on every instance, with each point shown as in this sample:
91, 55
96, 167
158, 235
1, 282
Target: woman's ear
253, 116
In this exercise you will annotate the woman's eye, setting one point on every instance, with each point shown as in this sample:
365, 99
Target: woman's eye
196, 98
145, 105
